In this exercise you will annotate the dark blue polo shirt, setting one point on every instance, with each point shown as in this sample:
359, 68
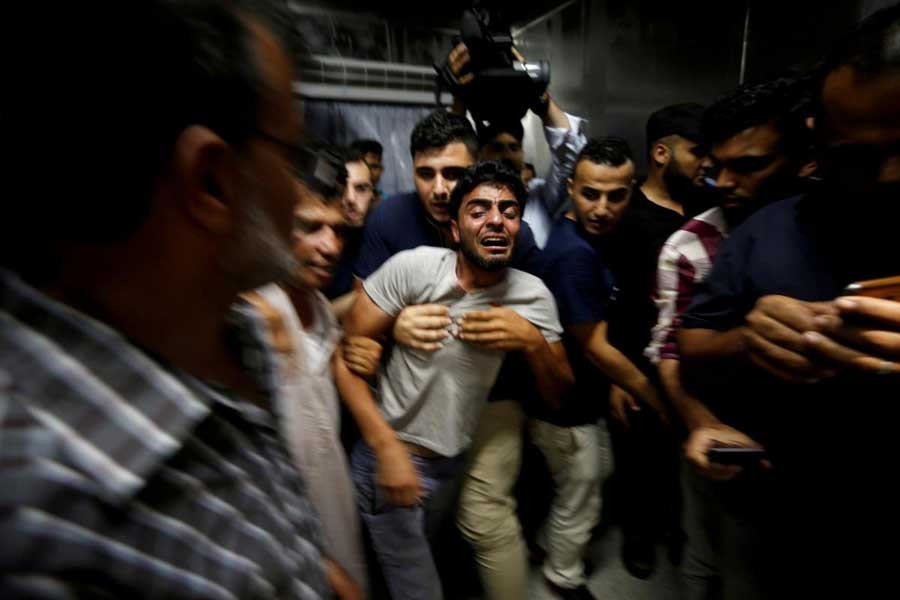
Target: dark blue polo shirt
342, 282
401, 223
773, 252
583, 286
796, 248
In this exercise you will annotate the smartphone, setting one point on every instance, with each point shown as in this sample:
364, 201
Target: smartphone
886, 287
731, 455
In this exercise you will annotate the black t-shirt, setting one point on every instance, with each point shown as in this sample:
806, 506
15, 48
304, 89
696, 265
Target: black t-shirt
633, 253
583, 286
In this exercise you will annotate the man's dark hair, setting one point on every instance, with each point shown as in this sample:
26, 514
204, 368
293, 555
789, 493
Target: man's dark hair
872, 47
367, 147
487, 132
611, 151
530, 166
351, 154
784, 101
189, 62
439, 129
676, 119
490, 171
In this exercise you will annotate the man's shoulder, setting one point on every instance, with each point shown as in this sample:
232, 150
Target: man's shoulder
273, 295
565, 243
523, 286
35, 450
518, 277
403, 205
710, 220
424, 254
397, 223
530, 296
419, 259
772, 217
705, 226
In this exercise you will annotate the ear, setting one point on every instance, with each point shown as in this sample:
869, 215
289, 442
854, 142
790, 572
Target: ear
203, 166
454, 231
570, 185
660, 154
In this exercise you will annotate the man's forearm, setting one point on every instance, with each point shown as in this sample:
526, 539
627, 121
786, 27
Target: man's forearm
554, 116
552, 371
621, 371
565, 143
710, 344
340, 582
691, 410
357, 397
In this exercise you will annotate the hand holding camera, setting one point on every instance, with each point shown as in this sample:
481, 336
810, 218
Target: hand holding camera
486, 73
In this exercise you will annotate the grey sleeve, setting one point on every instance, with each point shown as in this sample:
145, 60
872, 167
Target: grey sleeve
391, 286
542, 313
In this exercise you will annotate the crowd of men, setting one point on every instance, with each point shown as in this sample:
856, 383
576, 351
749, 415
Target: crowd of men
231, 368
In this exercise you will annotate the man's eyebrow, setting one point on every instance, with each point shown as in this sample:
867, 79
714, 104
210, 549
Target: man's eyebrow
480, 202
487, 203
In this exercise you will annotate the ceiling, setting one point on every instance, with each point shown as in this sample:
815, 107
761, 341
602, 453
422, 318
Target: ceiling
437, 15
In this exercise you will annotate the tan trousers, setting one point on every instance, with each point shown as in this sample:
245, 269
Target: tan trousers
577, 460
487, 510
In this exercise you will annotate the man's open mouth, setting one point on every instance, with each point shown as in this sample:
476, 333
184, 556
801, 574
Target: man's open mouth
495, 244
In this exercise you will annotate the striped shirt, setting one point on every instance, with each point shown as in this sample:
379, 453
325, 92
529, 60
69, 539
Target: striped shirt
685, 259
122, 478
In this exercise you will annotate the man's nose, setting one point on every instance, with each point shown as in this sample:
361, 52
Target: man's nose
602, 209
725, 180
331, 243
441, 187
495, 218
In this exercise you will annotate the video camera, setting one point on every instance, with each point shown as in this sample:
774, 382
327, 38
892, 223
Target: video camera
503, 88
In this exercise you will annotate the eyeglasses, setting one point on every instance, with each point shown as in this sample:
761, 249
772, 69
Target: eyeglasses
322, 170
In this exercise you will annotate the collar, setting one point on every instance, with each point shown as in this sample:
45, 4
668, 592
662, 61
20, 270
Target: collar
126, 412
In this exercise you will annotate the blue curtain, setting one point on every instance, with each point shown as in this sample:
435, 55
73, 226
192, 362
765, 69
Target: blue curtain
342, 122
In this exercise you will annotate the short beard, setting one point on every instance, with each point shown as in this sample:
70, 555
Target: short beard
491, 265
677, 182
256, 254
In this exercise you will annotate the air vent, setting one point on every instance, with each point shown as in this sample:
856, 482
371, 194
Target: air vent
328, 77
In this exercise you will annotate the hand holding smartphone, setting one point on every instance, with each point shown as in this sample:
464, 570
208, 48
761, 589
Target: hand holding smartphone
887, 288
736, 455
